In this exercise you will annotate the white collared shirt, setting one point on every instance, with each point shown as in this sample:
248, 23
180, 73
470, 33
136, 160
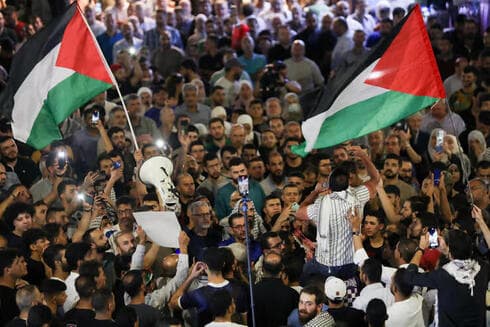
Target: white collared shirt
71, 292
373, 291
407, 313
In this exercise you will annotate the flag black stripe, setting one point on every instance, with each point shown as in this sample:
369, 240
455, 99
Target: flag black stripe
32, 52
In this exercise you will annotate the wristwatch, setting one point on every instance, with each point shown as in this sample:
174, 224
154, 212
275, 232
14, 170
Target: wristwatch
358, 233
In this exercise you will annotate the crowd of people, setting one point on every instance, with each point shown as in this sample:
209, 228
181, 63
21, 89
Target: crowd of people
390, 229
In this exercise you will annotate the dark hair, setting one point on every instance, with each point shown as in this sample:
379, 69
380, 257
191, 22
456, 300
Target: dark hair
234, 216
313, 290
227, 148
214, 259
209, 157
39, 315
64, 183
293, 267
398, 11
394, 157
372, 269
236, 161
401, 285
378, 214
427, 219
90, 268
296, 173
407, 248
150, 197
14, 210
52, 231
376, 313
189, 64
229, 260
113, 130
392, 189
76, 252
216, 120
271, 266
264, 240
471, 69
31, 236
51, 254
7, 258
220, 302
460, 245
339, 179
132, 282
85, 286
216, 87
126, 200
484, 164
194, 143
100, 299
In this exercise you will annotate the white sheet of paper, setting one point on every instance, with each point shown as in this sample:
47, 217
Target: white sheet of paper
161, 226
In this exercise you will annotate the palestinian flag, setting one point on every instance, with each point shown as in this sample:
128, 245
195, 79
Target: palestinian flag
54, 73
397, 78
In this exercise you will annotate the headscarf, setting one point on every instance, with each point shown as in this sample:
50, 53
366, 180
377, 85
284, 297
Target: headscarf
477, 136
246, 119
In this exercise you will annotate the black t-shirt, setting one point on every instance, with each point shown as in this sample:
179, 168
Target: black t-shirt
375, 253
348, 317
79, 317
103, 323
35, 272
198, 244
17, 322
8, 307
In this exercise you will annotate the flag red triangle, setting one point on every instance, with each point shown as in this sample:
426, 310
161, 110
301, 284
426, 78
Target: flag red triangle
79, 52
409, 65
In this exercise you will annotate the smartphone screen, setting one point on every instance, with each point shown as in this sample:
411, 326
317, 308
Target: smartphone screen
243, 185
439, 140
433, 238
95, 117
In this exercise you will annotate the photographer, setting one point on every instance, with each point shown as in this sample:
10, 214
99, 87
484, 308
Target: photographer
274, 82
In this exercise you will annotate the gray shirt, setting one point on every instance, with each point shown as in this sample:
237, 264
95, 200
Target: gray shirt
305, 72
147, 126
202, 115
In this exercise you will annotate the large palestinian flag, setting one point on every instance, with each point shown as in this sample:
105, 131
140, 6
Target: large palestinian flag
397, 78
53, 74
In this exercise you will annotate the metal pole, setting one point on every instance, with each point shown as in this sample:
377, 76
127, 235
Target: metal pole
249, 266
114, 81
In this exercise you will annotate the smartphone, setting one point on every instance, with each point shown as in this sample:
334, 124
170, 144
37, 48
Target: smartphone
81, 197
61, 159
433, 238
95, 117
243, 185
294, 207
439, 140
437, 176
116, 165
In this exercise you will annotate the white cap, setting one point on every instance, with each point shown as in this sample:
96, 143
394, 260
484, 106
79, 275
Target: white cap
218, 112
335, 288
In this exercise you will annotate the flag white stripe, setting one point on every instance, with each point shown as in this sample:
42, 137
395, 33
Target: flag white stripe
355, 92
43, 77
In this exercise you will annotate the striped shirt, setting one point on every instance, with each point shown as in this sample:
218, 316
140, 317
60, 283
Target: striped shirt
330, 213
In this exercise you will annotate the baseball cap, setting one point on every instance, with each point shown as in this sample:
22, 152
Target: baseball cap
335, 288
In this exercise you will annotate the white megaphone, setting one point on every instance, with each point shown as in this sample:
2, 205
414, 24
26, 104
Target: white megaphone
157, 171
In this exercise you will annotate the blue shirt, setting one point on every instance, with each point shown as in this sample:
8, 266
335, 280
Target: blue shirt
106, 44
256, 194
255, 249
200, 297
254, 64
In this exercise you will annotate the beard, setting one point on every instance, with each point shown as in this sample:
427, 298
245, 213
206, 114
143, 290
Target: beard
277, 178
104, 248
304, 316
406, 179
389, 174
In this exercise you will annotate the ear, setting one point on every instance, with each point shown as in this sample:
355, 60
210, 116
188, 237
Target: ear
32, 247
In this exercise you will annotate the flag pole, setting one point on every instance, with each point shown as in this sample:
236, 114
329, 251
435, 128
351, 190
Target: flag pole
114, 81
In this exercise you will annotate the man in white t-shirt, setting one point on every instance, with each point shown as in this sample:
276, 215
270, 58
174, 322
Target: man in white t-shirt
222, 307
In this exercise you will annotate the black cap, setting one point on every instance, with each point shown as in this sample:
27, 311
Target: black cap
52, 286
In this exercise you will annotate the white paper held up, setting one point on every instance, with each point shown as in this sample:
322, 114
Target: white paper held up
161, 226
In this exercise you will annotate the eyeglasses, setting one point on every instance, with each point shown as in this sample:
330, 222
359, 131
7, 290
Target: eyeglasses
278, 245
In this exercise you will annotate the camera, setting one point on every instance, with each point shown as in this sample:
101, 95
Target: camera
271, 82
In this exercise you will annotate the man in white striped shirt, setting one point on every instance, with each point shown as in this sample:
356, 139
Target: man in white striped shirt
330, 212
